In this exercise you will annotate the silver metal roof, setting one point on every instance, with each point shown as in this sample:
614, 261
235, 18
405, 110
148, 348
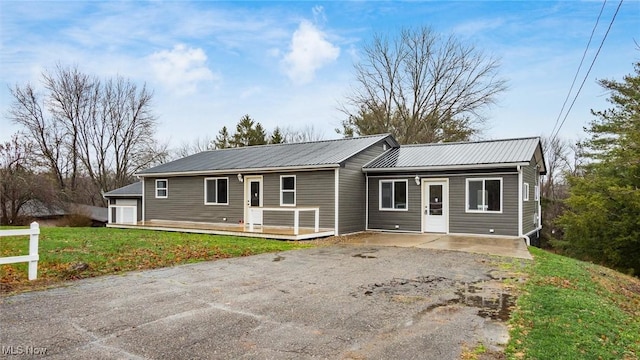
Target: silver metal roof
134, 190
461, 154
292, 155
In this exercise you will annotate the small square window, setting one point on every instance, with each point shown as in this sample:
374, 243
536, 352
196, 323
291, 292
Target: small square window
393, 195
484, 195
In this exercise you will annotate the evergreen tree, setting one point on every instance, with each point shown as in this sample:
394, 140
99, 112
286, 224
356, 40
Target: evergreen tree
248, 133
222, 141
276, 136
602, 223
258, 136
244, 131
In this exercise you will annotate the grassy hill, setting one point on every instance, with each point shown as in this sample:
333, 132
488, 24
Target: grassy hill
569, 309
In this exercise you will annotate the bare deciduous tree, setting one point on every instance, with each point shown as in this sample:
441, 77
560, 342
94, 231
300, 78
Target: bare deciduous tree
557, 154
421, 87
85, 127
194, 147
562, 159
27, 110
304, 134
16, 179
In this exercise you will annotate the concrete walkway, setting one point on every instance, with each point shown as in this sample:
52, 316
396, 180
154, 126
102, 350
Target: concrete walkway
491, 245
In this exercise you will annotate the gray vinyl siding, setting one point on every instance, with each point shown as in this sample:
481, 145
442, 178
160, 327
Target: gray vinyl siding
313, 189
352, 197
185, 201
529, 208
505, 223
409, 220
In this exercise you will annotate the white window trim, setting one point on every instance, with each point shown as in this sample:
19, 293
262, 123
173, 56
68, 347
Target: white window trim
537, 193
393, 189
525, 194
466, 199
205, 190
166, 189
294, 191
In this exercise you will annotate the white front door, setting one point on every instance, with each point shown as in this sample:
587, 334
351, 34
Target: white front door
436, 206
253, 199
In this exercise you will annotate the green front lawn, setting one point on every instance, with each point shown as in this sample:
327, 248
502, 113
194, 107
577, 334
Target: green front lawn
75, 253
570, 309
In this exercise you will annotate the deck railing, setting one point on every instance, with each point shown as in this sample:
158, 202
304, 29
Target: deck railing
296, 216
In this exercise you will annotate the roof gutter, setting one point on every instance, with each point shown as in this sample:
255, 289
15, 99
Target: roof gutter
243, 170
444, 167
106, 195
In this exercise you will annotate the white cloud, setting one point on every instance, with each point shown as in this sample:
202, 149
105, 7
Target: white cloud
309, 51
182, 68
318, 14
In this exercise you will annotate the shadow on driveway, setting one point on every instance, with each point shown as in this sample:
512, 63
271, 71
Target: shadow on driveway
339, 302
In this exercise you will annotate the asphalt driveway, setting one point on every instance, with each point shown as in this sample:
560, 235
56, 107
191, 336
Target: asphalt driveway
337, 302
492, 245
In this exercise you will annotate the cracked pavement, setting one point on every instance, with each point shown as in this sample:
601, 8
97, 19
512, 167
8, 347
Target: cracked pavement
337, 302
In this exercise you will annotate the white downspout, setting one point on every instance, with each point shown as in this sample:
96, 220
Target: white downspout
520, 200
366, 201
336, 206
143, 202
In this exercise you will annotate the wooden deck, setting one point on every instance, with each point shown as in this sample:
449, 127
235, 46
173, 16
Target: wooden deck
268, 232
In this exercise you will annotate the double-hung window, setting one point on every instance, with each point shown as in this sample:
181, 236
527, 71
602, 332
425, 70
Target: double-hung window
484, 195
162, 188
393, 195
288, 190
216, 191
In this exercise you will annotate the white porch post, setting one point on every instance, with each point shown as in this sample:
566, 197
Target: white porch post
317, 215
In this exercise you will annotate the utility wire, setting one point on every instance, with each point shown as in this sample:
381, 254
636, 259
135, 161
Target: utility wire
575, 77
588, 71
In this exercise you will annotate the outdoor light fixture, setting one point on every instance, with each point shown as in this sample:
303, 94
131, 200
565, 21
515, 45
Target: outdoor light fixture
417, 179
240, 178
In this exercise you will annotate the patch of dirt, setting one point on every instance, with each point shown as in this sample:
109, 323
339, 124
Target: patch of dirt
491, 298
420, 286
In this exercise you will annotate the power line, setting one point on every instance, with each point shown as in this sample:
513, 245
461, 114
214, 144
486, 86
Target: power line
584, 54
588, 71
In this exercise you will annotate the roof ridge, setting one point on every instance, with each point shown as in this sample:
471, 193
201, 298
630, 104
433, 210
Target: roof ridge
303, 142
471, 142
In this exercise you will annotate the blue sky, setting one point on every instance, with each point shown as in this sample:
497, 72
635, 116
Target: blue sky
290, 64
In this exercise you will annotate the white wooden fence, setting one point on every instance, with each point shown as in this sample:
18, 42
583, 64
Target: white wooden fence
33, 257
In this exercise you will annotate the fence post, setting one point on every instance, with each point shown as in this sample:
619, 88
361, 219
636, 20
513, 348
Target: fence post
33, 250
